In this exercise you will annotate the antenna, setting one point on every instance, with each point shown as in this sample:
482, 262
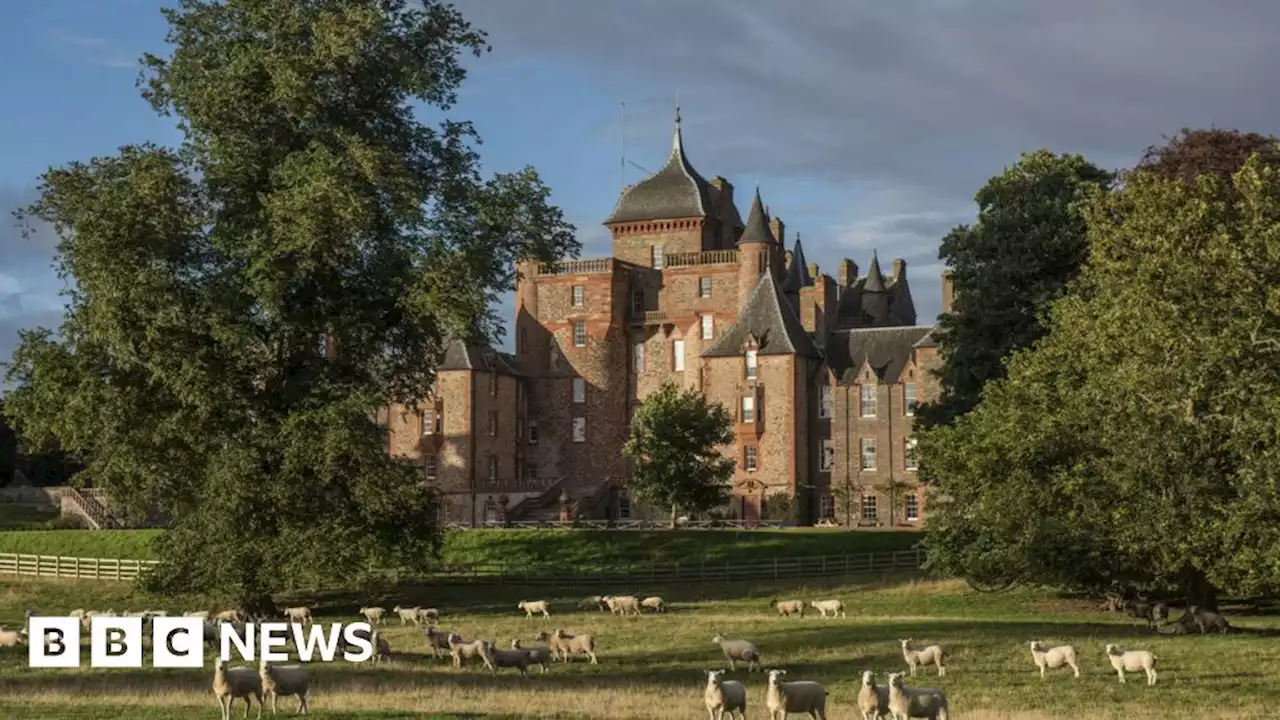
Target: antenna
623, 170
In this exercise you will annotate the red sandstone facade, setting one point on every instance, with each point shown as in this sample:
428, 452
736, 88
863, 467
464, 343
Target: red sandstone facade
821, 374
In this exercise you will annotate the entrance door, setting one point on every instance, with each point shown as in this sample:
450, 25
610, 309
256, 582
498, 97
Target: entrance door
751, 509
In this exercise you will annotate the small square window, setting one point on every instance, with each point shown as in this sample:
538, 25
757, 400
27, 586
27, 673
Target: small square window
869, 513
749, 458
704, 287
579, 333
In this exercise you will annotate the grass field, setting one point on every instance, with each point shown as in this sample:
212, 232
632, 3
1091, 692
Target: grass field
651, 667
532, 549
26, 517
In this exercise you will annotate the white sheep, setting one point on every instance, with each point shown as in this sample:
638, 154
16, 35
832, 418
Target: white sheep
622, 604
407, 615
795, 696
373, 614
907, 702
202, 614
497, 657
873, 700
917, 657
739, 650
11, 638
534, 606
286, 680
1047, 658
1133, 661
540, 654
835, 607
654, 603
787, 608
301, 614
592, 602
724, 696
563, 644
232, 683
229, 616
460, 650
428, 615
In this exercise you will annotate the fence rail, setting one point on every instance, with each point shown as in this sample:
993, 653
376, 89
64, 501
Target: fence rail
617, 525
73, 567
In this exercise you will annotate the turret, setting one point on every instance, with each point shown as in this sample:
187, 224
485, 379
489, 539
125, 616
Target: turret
755, 249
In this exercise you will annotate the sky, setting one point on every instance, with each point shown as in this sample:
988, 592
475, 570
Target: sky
867, 125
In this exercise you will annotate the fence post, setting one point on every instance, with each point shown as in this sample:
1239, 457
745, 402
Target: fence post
824, 565
775, 568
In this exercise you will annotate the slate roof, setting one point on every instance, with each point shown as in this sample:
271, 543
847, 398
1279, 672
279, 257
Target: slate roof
798, 273
675, 191
887, 350
875, 281
469, 356
757, 230
769, 318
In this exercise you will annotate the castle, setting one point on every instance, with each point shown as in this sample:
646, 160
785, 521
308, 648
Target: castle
821, 374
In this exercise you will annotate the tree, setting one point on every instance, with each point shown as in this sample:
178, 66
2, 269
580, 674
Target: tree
1135, 445
305, 202
1221, 153
674, 443
1008, 267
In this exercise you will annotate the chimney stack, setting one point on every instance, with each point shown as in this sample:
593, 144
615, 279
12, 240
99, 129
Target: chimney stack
899, 268
813, 271
847, 273
779, 229
948, 289
787, 255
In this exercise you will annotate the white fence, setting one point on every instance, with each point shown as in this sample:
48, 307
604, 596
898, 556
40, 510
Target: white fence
73, 567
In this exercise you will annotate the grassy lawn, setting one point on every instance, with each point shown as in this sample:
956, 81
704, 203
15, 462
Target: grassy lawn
651, 666
533, 549
26, 517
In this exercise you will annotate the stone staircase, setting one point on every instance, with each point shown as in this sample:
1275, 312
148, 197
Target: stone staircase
89, 508
584, 502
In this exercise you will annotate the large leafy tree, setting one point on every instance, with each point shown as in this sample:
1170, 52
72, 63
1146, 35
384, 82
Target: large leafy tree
674, 443
1135, 445
1008, 267
307, 200
1221, 153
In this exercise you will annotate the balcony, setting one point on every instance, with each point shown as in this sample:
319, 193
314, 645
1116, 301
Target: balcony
693, 259
595, 266
651, 317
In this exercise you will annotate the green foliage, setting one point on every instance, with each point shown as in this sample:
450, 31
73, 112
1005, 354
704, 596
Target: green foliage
674, 443
1221, 153
1008, 267
1135, 445
305, 201
779, 507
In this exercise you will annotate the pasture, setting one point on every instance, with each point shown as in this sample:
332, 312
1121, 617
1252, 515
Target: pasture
652, 666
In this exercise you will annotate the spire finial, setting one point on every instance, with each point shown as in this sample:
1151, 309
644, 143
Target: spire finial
677, 108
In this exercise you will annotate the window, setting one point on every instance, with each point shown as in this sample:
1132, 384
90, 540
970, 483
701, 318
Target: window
655, 255
579, 333
867, 394
749, 409
909, 399
704, 287
579, 429
828, 455
533, 432
677, 355
826, 402
868, 454
913, 508
577, 296
752, 363
637, 304
749, 458
429, 467
909, 460
637, 357
624, 506
493, 424
869, 513
493, 384
431, 421
826, 508
533, 472
708, 327
490, 511
493, 467
579, 390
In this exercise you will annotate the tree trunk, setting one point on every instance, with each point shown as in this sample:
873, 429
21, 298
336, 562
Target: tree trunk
1199, 591
674, 510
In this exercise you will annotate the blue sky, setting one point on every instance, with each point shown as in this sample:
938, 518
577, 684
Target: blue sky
865, 124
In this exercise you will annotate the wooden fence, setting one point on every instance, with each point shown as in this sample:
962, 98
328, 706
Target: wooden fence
73, 567
617, 525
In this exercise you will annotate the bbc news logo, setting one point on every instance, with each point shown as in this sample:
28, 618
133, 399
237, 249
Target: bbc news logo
178, 642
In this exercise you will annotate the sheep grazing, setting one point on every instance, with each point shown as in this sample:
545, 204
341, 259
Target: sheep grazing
429, 615
918, 657
1133, 661
381, 648
202, 614
653, 603
298, 615
872, 701
460, 650
500, 658
373, 614
739, 651
229, 616
229, 684
1047, 658
533, 606
210, 633
438, 640
407, 615
78, 613
593, 602
540, 655
835, 607
795, 696
724, 697
622, 604
1207, 620
787, 608
11, 638
1141, 610
905, 702
284, 680
569, 644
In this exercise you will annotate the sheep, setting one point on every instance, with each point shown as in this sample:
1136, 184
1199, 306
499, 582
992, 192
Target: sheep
381, 648
407, 615
285, 680
428, 614
724, 696
873, 701
78, 613
835, 607
1047, 658
1133, 661
592, 602
743, 650
907, 703
654, 603
232, 683
787, 608
157, 613
300, 614
518, 659
210, 633
622, 604
1206, 620
11, 638
460, 649
796, 696
87, 619
568, 643
917, 657
202, 614
1140, 610
533, 606
540, 654
230, 616
373, 614
437, 640
1160, 613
